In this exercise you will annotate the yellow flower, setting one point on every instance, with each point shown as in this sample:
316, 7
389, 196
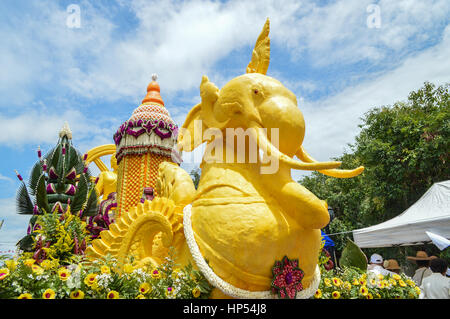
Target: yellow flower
49, 294
113, 295
378, 296
363, 290
335, 295
396, 277
25, 296
327, 282
381, 284
105, 269
347, 285
29, 262
410, 283
4, 272
336, 282
318, 294
140, 296
402, 283
128, 268
90, 279
37, 269
362, 281
63, 274
417, 289
369, 296
196, 292
144, 288
156, 274
11, 264
373, 282
380, 277
170, 292
177, 273
355, 282
77, 294
46, 264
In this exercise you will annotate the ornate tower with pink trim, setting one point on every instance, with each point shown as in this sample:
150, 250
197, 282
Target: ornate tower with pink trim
144, 141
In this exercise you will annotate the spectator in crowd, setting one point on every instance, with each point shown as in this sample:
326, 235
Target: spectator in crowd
376, 265
423, 263
392, 265
436, 286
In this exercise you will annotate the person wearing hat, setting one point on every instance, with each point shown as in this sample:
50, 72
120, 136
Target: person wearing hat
423, 263
392, 266
436, 286
376, 265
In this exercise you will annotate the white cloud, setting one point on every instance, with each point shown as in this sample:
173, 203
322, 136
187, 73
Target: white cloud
14, 225
332, 123
5, 178
181, 41
39, 126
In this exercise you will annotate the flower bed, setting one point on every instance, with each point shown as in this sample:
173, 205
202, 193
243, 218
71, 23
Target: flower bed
102, 279
354, 283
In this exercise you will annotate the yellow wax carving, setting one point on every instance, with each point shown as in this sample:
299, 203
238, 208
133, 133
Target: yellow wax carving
243, 220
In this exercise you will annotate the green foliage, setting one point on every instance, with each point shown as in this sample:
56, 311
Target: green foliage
352, 256
404, 149
195, 175
59, 237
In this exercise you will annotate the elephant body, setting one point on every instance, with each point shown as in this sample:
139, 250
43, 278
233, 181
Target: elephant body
241, 229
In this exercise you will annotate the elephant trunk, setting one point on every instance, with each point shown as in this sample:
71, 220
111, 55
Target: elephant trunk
268, 148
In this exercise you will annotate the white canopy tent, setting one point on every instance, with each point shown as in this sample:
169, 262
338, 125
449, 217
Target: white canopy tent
431, 213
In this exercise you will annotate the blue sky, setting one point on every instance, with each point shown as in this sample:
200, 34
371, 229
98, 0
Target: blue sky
94, 76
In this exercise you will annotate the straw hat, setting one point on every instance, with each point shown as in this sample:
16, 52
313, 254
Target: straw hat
391, 264
421, 255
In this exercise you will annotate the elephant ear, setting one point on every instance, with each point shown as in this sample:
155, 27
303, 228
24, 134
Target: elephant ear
200, 118
261, 53
190, 134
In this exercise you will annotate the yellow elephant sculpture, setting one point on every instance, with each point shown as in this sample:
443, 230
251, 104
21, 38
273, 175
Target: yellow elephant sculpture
247, 211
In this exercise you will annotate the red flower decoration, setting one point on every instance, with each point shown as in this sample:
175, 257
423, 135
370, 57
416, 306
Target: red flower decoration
287, 278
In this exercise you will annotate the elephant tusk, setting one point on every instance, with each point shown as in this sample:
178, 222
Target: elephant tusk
339, 173
267, 147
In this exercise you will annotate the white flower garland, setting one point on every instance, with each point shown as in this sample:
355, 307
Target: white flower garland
225, 287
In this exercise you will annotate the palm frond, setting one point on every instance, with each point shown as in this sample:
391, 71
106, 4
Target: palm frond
91, 205
41, 194
81, 194
23, 201
36, 172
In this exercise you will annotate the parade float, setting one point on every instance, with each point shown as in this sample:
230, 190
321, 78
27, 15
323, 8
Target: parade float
242, 233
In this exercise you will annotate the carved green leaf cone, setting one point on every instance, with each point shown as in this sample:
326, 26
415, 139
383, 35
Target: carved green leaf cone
57, 180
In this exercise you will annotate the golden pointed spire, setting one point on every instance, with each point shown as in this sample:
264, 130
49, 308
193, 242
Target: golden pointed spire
261, 53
